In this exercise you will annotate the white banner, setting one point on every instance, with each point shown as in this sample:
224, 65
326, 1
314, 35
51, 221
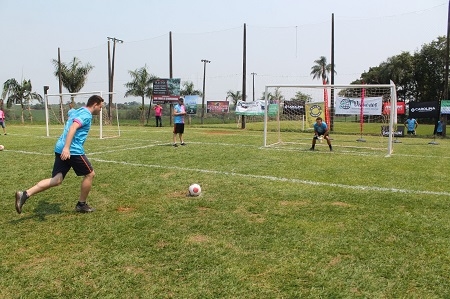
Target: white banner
372, 106
250, 108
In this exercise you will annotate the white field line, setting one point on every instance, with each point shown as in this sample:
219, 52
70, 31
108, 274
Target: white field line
279, 179
264, 177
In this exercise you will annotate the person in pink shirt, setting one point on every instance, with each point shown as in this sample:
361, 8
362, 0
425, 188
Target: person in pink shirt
2, 120
158, 113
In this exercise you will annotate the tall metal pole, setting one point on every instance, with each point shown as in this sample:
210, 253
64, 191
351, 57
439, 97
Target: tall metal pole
170, 73
332, 74
253, 74
244, 72
60, 86
110, 102
447, 54
203, 93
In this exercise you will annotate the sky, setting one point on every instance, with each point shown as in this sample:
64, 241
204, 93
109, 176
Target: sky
283, 39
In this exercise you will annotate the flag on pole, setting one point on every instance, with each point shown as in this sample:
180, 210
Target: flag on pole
325, 103
361, 113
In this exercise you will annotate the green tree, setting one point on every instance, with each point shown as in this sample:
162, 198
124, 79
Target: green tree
429, 70
141, 86
300, 96
188, 89
321, 69
20, 94
73, 74
235, 96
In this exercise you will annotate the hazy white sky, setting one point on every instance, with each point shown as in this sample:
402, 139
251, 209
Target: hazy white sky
284, 38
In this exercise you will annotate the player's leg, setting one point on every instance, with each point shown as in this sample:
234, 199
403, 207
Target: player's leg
327, 138
314, 142
181, 131
60, 169
175, 132
83, 167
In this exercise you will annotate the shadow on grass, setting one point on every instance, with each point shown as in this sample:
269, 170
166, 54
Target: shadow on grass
42, 210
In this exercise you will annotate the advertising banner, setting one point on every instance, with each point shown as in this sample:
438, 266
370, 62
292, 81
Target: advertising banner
217, 107
313, 111
401, 108
190, 103
166, 90
371, 106
294, 107
424, 109
250, 108
445, 107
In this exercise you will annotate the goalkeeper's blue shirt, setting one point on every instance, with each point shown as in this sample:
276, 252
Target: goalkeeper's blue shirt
411, 124
83, 117
320, 129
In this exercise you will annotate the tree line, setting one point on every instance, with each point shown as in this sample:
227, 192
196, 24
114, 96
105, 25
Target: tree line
419, 76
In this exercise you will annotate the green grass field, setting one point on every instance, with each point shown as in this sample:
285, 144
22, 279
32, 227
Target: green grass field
277, 222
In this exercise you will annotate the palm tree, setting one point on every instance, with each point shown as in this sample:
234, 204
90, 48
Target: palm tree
20, 94
73, 74
321, 69
235, 96
188, 89
140, 86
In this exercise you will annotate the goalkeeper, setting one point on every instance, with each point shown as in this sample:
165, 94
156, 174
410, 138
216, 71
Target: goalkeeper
320, 131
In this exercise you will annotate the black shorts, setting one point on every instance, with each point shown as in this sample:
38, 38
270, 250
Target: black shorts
178, 129
411, 132
79, 163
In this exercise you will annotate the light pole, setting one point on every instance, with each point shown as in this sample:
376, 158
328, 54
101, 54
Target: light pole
111, 72
203, 94
253, 74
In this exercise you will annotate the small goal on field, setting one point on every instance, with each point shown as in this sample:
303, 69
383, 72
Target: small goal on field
362, 117
104, 125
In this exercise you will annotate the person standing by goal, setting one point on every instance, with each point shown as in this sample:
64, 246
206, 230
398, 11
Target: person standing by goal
69, 153
179, 112
2, 120
158, 114
320, 130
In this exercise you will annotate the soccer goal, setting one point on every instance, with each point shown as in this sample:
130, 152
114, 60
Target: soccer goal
360, 117
57, 106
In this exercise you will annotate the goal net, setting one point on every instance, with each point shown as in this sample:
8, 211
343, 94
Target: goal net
360, 117
57, 106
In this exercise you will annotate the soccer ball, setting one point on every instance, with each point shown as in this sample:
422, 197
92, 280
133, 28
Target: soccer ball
1, 147
195, 190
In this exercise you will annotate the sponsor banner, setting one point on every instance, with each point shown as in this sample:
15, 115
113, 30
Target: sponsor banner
217, 107
401, 108
166, 90
250, 108
423, 109
398, 132
190, 103
294, 107
255, 108
371, 106
313, 111
445, 107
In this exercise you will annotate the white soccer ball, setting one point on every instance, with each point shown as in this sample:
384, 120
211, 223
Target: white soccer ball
1, 147
195, 190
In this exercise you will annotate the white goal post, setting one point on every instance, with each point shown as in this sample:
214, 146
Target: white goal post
287, 106
56, 108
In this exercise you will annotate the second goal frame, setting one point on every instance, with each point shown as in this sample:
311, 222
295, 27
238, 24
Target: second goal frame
389, 101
